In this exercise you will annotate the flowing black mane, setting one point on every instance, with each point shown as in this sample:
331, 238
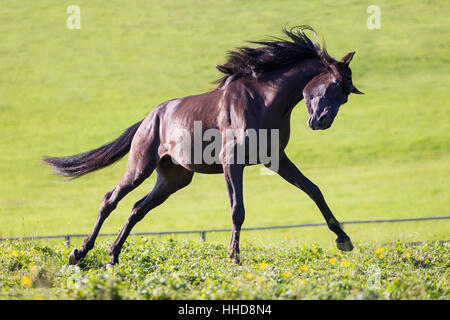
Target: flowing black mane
273, 54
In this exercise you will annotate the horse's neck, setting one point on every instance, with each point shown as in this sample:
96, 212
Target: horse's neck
286, 86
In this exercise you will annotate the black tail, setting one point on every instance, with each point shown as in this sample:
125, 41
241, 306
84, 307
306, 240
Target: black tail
80, 164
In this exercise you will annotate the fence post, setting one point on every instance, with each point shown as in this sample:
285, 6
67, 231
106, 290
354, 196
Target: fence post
67, 241
202, 236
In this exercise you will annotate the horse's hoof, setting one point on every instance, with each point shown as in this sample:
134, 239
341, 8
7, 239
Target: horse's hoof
109, 266
345, 245
73, 257
112, 262
234, 260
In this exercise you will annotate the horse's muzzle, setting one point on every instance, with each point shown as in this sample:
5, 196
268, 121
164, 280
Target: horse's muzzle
324, 122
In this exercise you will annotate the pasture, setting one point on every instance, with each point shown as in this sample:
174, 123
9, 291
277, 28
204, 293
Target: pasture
174, 269
386, 156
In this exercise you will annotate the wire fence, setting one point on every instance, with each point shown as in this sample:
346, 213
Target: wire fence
203, 232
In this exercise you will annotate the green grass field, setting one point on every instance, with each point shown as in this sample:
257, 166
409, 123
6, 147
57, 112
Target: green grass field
172, 269
66, 91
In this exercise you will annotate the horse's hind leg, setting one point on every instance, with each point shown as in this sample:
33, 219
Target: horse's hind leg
109, 203
171, 177
141, 163
233, 177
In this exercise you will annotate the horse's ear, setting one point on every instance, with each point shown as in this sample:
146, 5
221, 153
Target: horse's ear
347, 58
356, 91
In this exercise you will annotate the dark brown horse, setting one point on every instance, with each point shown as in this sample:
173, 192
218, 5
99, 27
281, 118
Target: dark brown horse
258, 92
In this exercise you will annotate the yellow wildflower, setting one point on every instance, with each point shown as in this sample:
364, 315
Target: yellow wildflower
407, 255
262, 265
325, 259
26, 281
381, 256
332, 261
249, 275
314, 251
379, 250
304, 268
286, 275
345, 263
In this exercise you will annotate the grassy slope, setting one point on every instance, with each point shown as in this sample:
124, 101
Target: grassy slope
63, 92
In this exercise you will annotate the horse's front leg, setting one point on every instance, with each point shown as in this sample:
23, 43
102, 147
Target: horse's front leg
233, 177
290, 173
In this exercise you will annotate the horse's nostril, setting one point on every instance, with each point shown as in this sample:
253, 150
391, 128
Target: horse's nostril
323, 119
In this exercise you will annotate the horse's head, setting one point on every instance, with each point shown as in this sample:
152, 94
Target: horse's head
327, 91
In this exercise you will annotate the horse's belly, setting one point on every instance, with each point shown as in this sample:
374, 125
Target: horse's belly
204, 168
